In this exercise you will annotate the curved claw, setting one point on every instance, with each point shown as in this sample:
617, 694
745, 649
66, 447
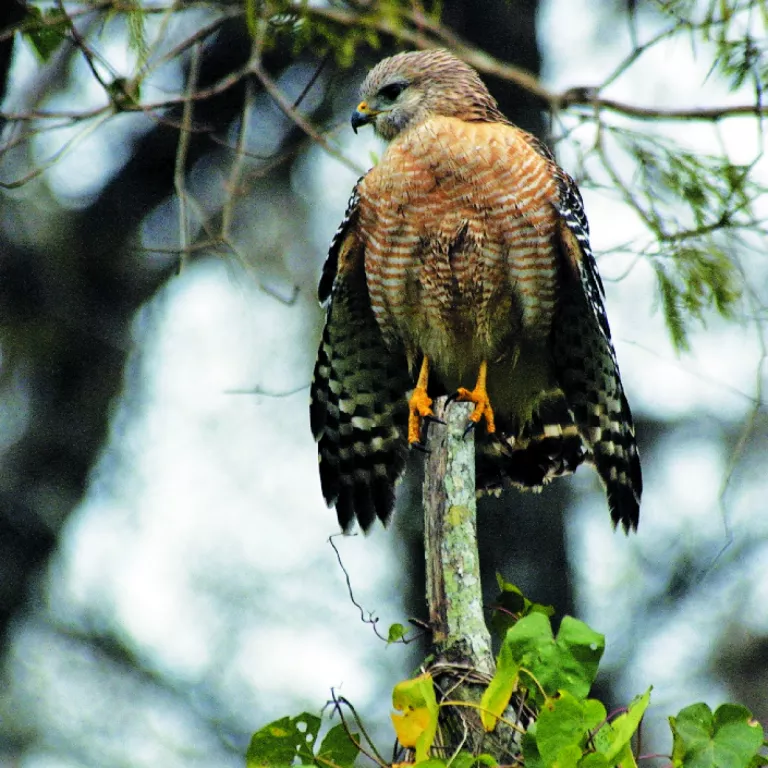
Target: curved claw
451, 398
424, 433
420, 446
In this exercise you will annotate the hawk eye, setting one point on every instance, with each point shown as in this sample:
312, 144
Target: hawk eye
392, 91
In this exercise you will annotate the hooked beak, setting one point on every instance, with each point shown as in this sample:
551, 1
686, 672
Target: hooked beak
362, 115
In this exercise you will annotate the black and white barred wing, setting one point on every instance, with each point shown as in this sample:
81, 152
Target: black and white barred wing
587, 369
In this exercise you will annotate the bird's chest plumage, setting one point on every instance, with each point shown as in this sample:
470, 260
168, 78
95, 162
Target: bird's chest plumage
458, 229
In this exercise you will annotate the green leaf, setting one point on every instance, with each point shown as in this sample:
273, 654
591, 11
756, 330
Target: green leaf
511, 595
485, 759
670, 307
531, 756
45, 35
730, 738
467, 760
625, 758
692, 280
532, 646
137, 38
251, 18
511, 605
339, 748
594, 760
564, 726
692, 204
594, 712
463, 760
568, 757
124, 93
496, 696
623, 728
278, 743
548, 665
396, 633
581, 649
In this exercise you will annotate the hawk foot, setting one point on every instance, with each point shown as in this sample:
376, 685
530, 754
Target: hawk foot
478, 396
419, 411
419, 407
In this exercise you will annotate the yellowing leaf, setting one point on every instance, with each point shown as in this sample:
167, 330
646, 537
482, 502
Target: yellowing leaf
416, 727
410, 725
497, 695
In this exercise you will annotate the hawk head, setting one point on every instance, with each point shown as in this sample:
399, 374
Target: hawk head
406, 89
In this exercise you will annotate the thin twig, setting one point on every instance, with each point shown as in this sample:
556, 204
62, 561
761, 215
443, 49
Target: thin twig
82, 46
312, 80
266, 392
374, 755
56, 156
366, 619
236, 170
298, 119
182, 150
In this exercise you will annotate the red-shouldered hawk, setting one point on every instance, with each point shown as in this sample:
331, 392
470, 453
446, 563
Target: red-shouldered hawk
463, 265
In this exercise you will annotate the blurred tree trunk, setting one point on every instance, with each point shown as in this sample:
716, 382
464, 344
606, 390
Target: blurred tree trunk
506, 30
66, 317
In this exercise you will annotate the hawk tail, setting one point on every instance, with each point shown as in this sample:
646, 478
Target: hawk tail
549, 446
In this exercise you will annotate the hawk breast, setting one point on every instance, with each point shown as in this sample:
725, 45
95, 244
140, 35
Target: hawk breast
458, 227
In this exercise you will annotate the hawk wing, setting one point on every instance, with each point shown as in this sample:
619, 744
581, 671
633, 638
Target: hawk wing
586, 366
358, 406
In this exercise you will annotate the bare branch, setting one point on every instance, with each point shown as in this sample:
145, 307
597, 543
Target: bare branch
180, 169
301, 122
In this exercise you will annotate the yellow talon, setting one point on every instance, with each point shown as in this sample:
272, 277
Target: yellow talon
419, 406
479, 396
